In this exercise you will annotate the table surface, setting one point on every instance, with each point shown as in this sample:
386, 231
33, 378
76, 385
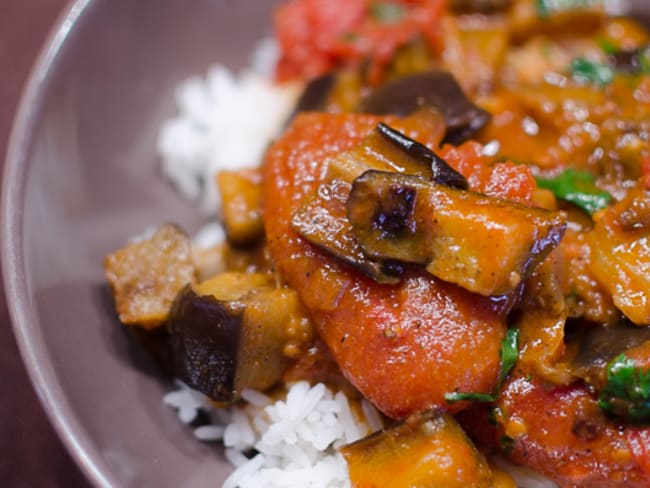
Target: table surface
31, 455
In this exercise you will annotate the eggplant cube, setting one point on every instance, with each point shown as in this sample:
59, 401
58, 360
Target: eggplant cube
230, 333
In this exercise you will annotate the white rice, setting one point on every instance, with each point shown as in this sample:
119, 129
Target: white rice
294, 437
224, 121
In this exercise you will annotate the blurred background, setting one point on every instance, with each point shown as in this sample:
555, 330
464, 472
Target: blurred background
31, 455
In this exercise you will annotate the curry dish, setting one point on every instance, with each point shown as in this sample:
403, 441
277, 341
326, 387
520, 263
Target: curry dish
455, 225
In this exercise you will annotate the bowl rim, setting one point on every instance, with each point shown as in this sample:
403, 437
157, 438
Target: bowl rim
24, 320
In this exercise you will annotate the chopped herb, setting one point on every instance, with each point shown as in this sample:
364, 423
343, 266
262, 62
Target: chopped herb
387, 12
607, 46
545, 8
509, 354
577, 187
457, 396
627, 391
586, 71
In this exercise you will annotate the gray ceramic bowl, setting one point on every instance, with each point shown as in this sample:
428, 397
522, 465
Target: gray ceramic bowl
81, 178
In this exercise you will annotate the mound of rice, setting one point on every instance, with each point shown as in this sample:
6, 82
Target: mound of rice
294, 437
224, 121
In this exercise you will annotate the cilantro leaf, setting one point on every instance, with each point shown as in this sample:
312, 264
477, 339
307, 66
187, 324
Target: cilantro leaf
627, 391
457, 396
577, 187
586, 71
509, 354
545, 8
387, 12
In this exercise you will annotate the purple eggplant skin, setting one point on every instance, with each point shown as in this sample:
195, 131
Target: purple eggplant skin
204, 341
484, 244
322, 221
602, 343
438, 89
441, 171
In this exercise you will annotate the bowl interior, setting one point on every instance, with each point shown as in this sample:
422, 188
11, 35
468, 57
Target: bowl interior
82, 177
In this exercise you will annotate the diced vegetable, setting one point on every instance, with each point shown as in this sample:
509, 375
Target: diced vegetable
577, 187
437, 89
632, 61
600, 345
484, 244
322, 221
427, 450
146, 276
241, 195
234, 331
441, 171
541, 316
620, 254
377, 151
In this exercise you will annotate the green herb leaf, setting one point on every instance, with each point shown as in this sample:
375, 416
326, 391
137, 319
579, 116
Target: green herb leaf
577, 187
545, 8
607, 46
585, 71
387, 12
457, 396
627, 391
509, 354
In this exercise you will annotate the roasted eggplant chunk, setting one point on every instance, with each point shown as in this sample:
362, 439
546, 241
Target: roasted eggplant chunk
441, 172
241, 195
427, 450
387, 149
486, 245
146, 276
436, 89
235, 331
322, 221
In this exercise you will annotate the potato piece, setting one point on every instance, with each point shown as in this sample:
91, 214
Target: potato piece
146, 276
241, 194
620, 254
425, 451
486, 245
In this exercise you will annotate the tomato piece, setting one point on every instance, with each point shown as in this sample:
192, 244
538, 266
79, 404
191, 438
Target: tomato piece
403, 346
316, 36
562, 433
